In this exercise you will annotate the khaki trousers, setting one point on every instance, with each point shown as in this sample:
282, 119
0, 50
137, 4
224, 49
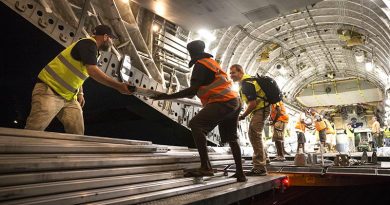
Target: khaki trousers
256, 127
46, 105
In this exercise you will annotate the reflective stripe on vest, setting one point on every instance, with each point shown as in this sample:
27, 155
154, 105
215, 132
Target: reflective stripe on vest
220, 89
259, 92
64, 74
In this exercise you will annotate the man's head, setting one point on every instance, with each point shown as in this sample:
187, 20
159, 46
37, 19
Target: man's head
318, 117
236, 72
374, 119
195, 48
103, 35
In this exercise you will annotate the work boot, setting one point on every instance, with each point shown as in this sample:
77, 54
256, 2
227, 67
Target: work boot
279, 159
198, 173
240, 177
284, 151
256, 172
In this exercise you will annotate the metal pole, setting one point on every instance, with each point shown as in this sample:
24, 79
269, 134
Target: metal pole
82, 19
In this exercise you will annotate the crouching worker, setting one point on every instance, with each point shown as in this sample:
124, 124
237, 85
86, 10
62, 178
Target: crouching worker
279, 120
221, 107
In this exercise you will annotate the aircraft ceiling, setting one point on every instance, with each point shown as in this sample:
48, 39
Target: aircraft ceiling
311, 39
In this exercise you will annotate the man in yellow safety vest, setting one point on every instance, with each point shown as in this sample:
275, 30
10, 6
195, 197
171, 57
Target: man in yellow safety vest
58, 91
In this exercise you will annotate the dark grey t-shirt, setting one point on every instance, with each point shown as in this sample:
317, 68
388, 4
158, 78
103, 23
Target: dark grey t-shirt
248, 89
85, 51
201, 75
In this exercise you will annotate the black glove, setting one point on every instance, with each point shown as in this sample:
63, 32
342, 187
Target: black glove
161, 96
241, 118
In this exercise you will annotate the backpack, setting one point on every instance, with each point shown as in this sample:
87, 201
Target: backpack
270, 88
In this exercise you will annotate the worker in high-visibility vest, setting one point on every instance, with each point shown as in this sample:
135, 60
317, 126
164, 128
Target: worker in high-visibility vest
300, 128
320, 126
386, 135
330, 135
349, 131
279, 119
58, 91
377, 136
221, 107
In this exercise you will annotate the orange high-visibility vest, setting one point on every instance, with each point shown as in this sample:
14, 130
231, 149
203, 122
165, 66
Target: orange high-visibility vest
220, 90
320, 125
282, 115
300, 126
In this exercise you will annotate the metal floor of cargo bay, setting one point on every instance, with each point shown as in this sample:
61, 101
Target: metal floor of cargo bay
54, 168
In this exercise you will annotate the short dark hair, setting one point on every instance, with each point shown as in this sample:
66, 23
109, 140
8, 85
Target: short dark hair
238, 67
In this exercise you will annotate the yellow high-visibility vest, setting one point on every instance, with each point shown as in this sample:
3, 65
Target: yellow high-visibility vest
64, 74
260, 103
386, 133
349, 133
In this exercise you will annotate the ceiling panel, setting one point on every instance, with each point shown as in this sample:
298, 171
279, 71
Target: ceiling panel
197, 14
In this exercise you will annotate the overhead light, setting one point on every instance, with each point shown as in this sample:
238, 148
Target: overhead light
387, 101
159, 8
330, 75
155, 28
15, 122
283, 71
369, 66
206, 34
359, 56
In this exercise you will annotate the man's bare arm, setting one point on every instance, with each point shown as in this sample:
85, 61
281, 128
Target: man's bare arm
251, 106
98, 75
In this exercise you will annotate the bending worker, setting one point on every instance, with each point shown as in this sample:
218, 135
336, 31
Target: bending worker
58, 91
253, 95
279, 120
221, 107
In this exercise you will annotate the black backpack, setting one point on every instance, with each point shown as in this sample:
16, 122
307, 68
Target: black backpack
270, 88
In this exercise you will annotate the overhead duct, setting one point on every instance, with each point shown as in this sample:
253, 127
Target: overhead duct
264, 56
344, 34
352, 38
355, 41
